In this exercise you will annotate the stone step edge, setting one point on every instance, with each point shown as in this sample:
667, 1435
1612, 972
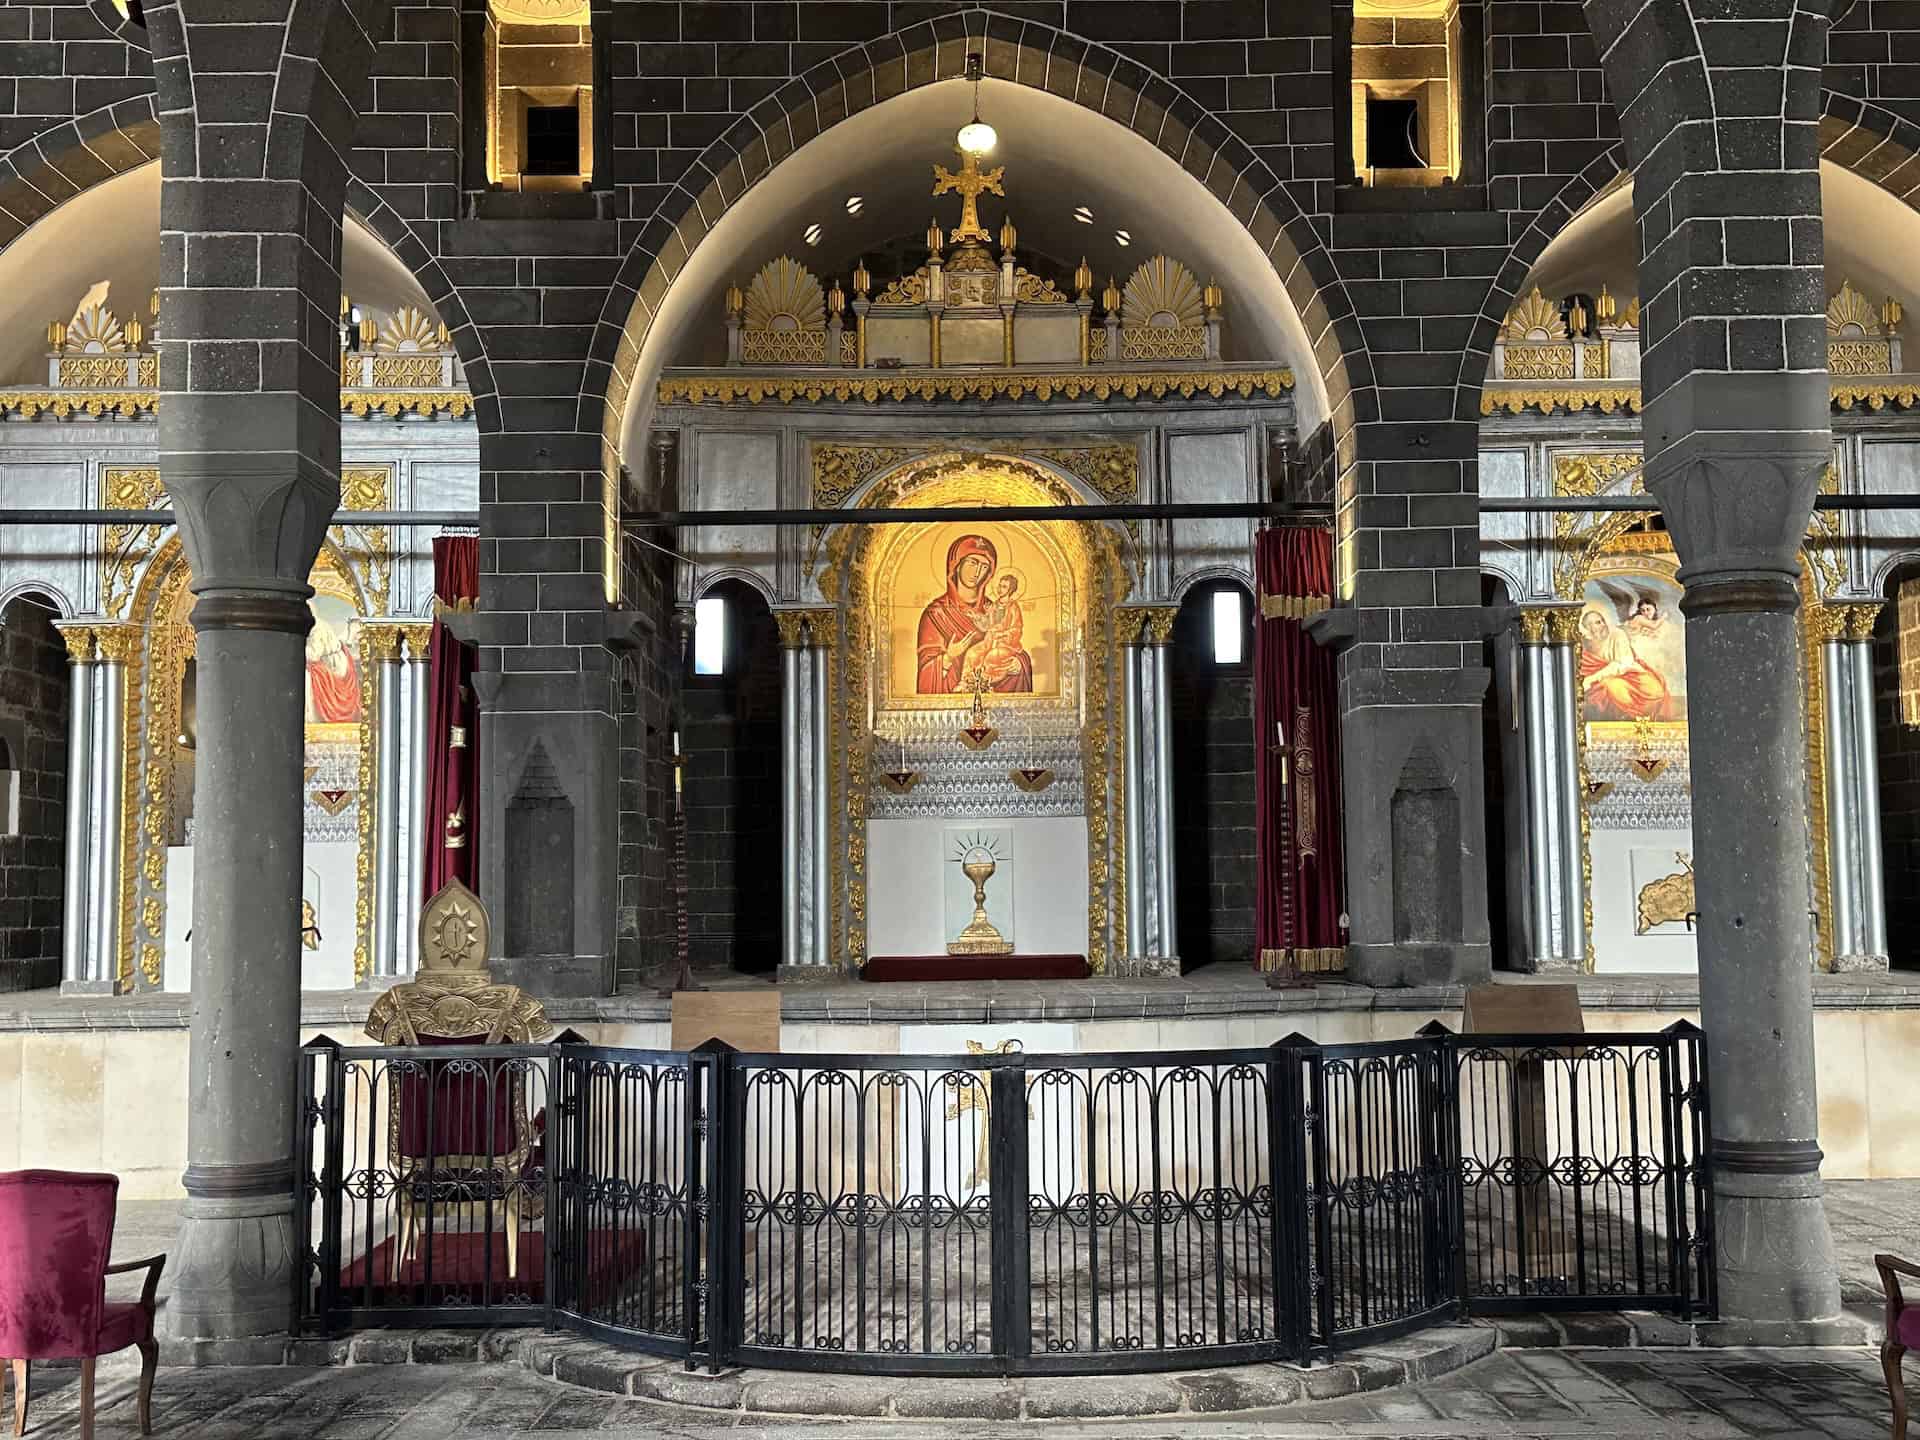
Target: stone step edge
592, 1365
1429, 1352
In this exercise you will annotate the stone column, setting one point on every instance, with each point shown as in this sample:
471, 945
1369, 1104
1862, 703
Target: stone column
237, 1247
380, 648
1738, 520
413, 844
1856, 918
793, 828
1128, 624
77, 977
1542, 838
117, 644
1555, 874
1866, 754
1563, 634
1157, 638
820, 631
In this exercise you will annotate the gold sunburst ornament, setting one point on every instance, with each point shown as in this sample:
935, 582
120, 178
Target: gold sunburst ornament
96, 330
1534, 318
407, 331
1850, 313
785, 296
1164, 293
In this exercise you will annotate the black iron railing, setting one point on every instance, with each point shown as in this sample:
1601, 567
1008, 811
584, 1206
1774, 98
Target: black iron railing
1000, 1213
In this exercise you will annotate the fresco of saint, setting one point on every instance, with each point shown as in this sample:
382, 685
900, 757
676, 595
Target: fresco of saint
333, 672
962, 633
1617, 683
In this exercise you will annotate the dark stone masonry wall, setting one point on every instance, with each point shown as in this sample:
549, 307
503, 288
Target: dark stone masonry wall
33, 725
730, 726
1899, 749
1213, 792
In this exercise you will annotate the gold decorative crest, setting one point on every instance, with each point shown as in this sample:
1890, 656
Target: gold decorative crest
785, 296
1850, 313
1162, 294
409, 330
1534, 318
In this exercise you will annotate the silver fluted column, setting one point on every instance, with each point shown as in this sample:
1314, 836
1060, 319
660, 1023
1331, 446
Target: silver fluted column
1866, 769
1542, 840
75, 971
117, 644
381, 644
1564, 709
821, 654
1838, 678
414, 846
1134, 764
791, 829
1160, 635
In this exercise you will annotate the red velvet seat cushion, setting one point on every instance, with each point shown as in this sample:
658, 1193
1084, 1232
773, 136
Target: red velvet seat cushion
121, 1326
1907, 1329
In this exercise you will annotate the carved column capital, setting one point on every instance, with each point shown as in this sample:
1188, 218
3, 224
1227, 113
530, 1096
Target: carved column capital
417, 637
792, 627
1533, 626
118, 644
1738, 520
82, 643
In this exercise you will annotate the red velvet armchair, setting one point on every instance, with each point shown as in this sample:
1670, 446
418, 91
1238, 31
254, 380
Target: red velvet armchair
56, 1234
1903, 1333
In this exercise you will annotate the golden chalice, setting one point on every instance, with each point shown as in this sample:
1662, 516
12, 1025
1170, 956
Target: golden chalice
980, 937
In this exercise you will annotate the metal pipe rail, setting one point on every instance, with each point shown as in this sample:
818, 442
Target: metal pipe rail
1300, 511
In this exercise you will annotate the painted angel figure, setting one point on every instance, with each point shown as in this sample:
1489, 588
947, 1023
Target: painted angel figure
1616, 681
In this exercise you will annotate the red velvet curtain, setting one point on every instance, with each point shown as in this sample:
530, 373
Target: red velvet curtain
1302, 882
453, 730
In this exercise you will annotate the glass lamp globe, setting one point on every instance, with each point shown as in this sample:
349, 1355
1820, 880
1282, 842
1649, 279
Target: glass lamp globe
977, 137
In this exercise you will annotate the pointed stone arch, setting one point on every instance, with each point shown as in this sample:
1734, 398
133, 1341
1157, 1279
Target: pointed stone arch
1093, 76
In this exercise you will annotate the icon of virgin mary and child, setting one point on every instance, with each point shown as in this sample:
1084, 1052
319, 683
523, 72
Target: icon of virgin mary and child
974, 629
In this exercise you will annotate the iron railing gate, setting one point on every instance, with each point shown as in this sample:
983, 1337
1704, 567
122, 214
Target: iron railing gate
1003, 1213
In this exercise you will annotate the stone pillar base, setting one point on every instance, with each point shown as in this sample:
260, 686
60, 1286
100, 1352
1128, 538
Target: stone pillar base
1775, 1251
1551, 965
1863, 962
1134, 966
810, 975
1419, 963
234, 1265
89, 987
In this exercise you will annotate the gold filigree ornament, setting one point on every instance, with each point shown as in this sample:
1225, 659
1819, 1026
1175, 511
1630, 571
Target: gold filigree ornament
1162, 294
1517, 400
1044, 386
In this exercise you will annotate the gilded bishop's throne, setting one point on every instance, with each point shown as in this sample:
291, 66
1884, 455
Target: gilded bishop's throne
463, 1149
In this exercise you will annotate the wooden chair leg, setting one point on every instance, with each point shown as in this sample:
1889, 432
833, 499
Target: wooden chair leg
19, 1397
1890, 1353
149, 1362
86, 1398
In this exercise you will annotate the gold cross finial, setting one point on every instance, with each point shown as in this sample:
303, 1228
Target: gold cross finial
970, 184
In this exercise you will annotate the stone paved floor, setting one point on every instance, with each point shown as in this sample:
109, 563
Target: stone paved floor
1555, 1395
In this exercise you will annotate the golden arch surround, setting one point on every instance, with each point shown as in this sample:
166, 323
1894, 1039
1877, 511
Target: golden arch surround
159, 641
1099, 562
1576, 548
